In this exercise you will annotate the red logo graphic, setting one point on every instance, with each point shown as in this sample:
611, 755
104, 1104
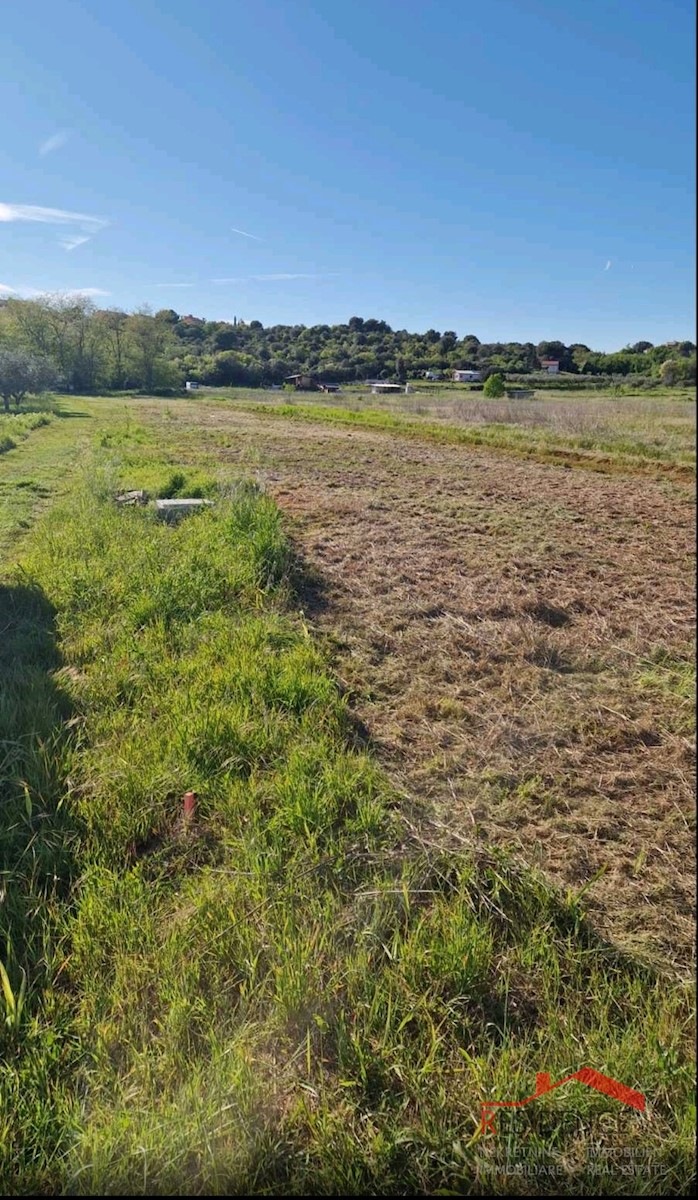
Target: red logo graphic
593, 1079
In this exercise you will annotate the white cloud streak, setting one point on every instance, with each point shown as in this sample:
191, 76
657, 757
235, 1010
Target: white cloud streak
49, 216
88, 291
72, 242
25, 293
608, 265
242, 233
85, 225
30, 293
275, 278
171, 285
54, 142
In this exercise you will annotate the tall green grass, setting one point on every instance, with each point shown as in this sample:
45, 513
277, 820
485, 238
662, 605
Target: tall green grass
295, 992
14, 427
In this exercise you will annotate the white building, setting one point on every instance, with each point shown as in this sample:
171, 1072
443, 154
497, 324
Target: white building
467, 376
381, 388
550, 365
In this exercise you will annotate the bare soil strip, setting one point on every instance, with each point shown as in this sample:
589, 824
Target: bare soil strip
497, 621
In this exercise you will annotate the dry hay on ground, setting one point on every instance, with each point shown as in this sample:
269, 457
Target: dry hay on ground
494, 619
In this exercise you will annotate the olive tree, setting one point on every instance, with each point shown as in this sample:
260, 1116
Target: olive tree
22, 374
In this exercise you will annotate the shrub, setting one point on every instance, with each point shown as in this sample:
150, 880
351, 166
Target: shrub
494, 387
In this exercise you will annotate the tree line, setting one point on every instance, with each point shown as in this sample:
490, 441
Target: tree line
68, 342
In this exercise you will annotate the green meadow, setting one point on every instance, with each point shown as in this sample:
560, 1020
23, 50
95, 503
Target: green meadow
297, 989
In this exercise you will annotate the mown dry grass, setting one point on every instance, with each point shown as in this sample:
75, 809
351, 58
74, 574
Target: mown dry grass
629, 436
518, 640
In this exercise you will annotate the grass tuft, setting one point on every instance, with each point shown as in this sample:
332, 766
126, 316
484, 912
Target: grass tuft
14, 427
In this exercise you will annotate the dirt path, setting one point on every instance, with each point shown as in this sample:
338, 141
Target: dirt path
496, 621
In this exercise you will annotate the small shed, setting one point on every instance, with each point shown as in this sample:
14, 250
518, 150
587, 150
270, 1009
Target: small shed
303, 381
382, 388
467, 376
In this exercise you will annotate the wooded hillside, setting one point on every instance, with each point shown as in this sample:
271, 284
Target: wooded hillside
92, 348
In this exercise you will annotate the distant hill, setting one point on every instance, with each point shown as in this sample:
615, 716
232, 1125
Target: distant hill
94, 348
248, 353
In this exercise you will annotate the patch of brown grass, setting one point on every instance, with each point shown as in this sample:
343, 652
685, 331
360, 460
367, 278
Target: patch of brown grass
490, 618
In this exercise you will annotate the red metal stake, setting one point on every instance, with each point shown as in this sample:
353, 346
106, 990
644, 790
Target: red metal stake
189, 805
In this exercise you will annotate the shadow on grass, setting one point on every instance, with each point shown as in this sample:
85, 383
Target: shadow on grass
37, 832
309, 586
310, 593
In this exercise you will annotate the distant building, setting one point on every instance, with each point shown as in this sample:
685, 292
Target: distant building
467, 376
433, 376
303, 382
380, 387
307, 382
191, 386
550, 365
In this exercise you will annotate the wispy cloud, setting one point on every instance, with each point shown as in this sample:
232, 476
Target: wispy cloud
88, 291
54, 142
73, 241
85, 226
291, 275
25, 293
608, 265
275, 278
29, 293
49, 216
247, 235
171, 285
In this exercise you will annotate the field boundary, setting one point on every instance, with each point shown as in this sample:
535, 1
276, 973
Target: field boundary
488, 439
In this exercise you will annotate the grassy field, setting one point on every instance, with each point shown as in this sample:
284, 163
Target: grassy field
370, 659
640, 434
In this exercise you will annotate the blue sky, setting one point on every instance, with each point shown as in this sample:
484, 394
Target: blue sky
518, 169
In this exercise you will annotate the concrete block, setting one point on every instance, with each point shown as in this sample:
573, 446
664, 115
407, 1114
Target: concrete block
174, 510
